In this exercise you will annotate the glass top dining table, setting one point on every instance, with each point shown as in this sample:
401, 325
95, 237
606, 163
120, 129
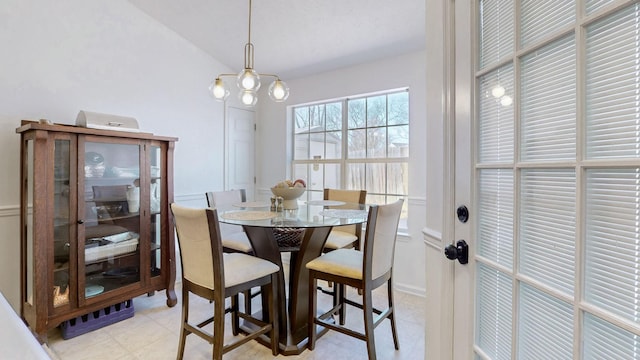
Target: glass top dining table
311, 223
309, 214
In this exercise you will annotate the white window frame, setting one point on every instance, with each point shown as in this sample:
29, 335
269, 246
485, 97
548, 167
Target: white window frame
315, 192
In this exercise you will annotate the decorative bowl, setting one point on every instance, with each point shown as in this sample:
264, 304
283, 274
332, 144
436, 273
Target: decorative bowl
290, 196
107, 211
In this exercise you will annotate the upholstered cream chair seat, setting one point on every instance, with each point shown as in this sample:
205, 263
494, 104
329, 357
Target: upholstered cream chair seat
210, 273
365, 270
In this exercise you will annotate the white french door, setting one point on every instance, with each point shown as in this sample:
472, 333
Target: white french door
552, 178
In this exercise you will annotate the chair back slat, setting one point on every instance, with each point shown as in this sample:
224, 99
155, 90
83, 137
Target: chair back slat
198, 237
224, 199
380, 238
350, 197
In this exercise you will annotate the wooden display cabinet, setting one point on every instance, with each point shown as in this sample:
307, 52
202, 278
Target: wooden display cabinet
95, 222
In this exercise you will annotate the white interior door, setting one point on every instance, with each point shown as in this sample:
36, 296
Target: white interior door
240, 147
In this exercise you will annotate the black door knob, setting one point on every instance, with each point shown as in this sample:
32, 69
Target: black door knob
459, 251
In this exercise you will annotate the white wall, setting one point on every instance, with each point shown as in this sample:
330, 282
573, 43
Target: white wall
274, 142
59, 57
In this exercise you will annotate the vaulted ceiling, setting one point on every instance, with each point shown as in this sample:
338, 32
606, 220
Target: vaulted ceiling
295, 38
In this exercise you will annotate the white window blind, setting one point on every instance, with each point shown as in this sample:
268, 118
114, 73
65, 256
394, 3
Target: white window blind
548, 110
612, 104
494, 315
495, 229
594, 5
547, 227
541, 17
496, 30
602, 340
613, 241
496, 116
545, 326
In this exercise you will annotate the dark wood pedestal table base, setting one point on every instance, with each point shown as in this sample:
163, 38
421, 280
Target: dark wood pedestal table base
316, 221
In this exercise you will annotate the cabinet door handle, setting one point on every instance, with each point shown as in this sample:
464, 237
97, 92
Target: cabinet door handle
80, 221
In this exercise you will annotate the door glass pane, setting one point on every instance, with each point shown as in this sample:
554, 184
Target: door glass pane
495, 223
540, 18
544, 320
496, 116
112, 216
155, 202
548, 111
496, 19
494, 312
603, 340
612, 261
61, 222
547, 227
595, 5
612, 107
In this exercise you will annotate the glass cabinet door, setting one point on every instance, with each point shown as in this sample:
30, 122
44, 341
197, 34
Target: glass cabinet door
111, 202
62, 226
155, 171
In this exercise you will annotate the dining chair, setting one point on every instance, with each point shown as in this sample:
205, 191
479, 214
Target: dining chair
346, 236
233, 237
365, 270
212, 274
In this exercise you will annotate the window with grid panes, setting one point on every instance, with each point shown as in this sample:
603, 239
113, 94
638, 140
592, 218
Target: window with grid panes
360, 142
558, 179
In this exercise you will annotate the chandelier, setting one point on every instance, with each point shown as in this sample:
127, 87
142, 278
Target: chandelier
248, 80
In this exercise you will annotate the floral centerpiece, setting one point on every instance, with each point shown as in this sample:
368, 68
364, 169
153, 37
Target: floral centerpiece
290, 191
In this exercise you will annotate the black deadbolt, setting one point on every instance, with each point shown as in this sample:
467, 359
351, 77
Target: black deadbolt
463, 213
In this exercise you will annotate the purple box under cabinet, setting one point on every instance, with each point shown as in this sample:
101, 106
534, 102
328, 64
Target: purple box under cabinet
97, 319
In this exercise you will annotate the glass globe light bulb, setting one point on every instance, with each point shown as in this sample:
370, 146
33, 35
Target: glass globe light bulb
219, 90
278, 91
248, 98
248, 79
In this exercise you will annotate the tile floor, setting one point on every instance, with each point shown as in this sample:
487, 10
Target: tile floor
153, 333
